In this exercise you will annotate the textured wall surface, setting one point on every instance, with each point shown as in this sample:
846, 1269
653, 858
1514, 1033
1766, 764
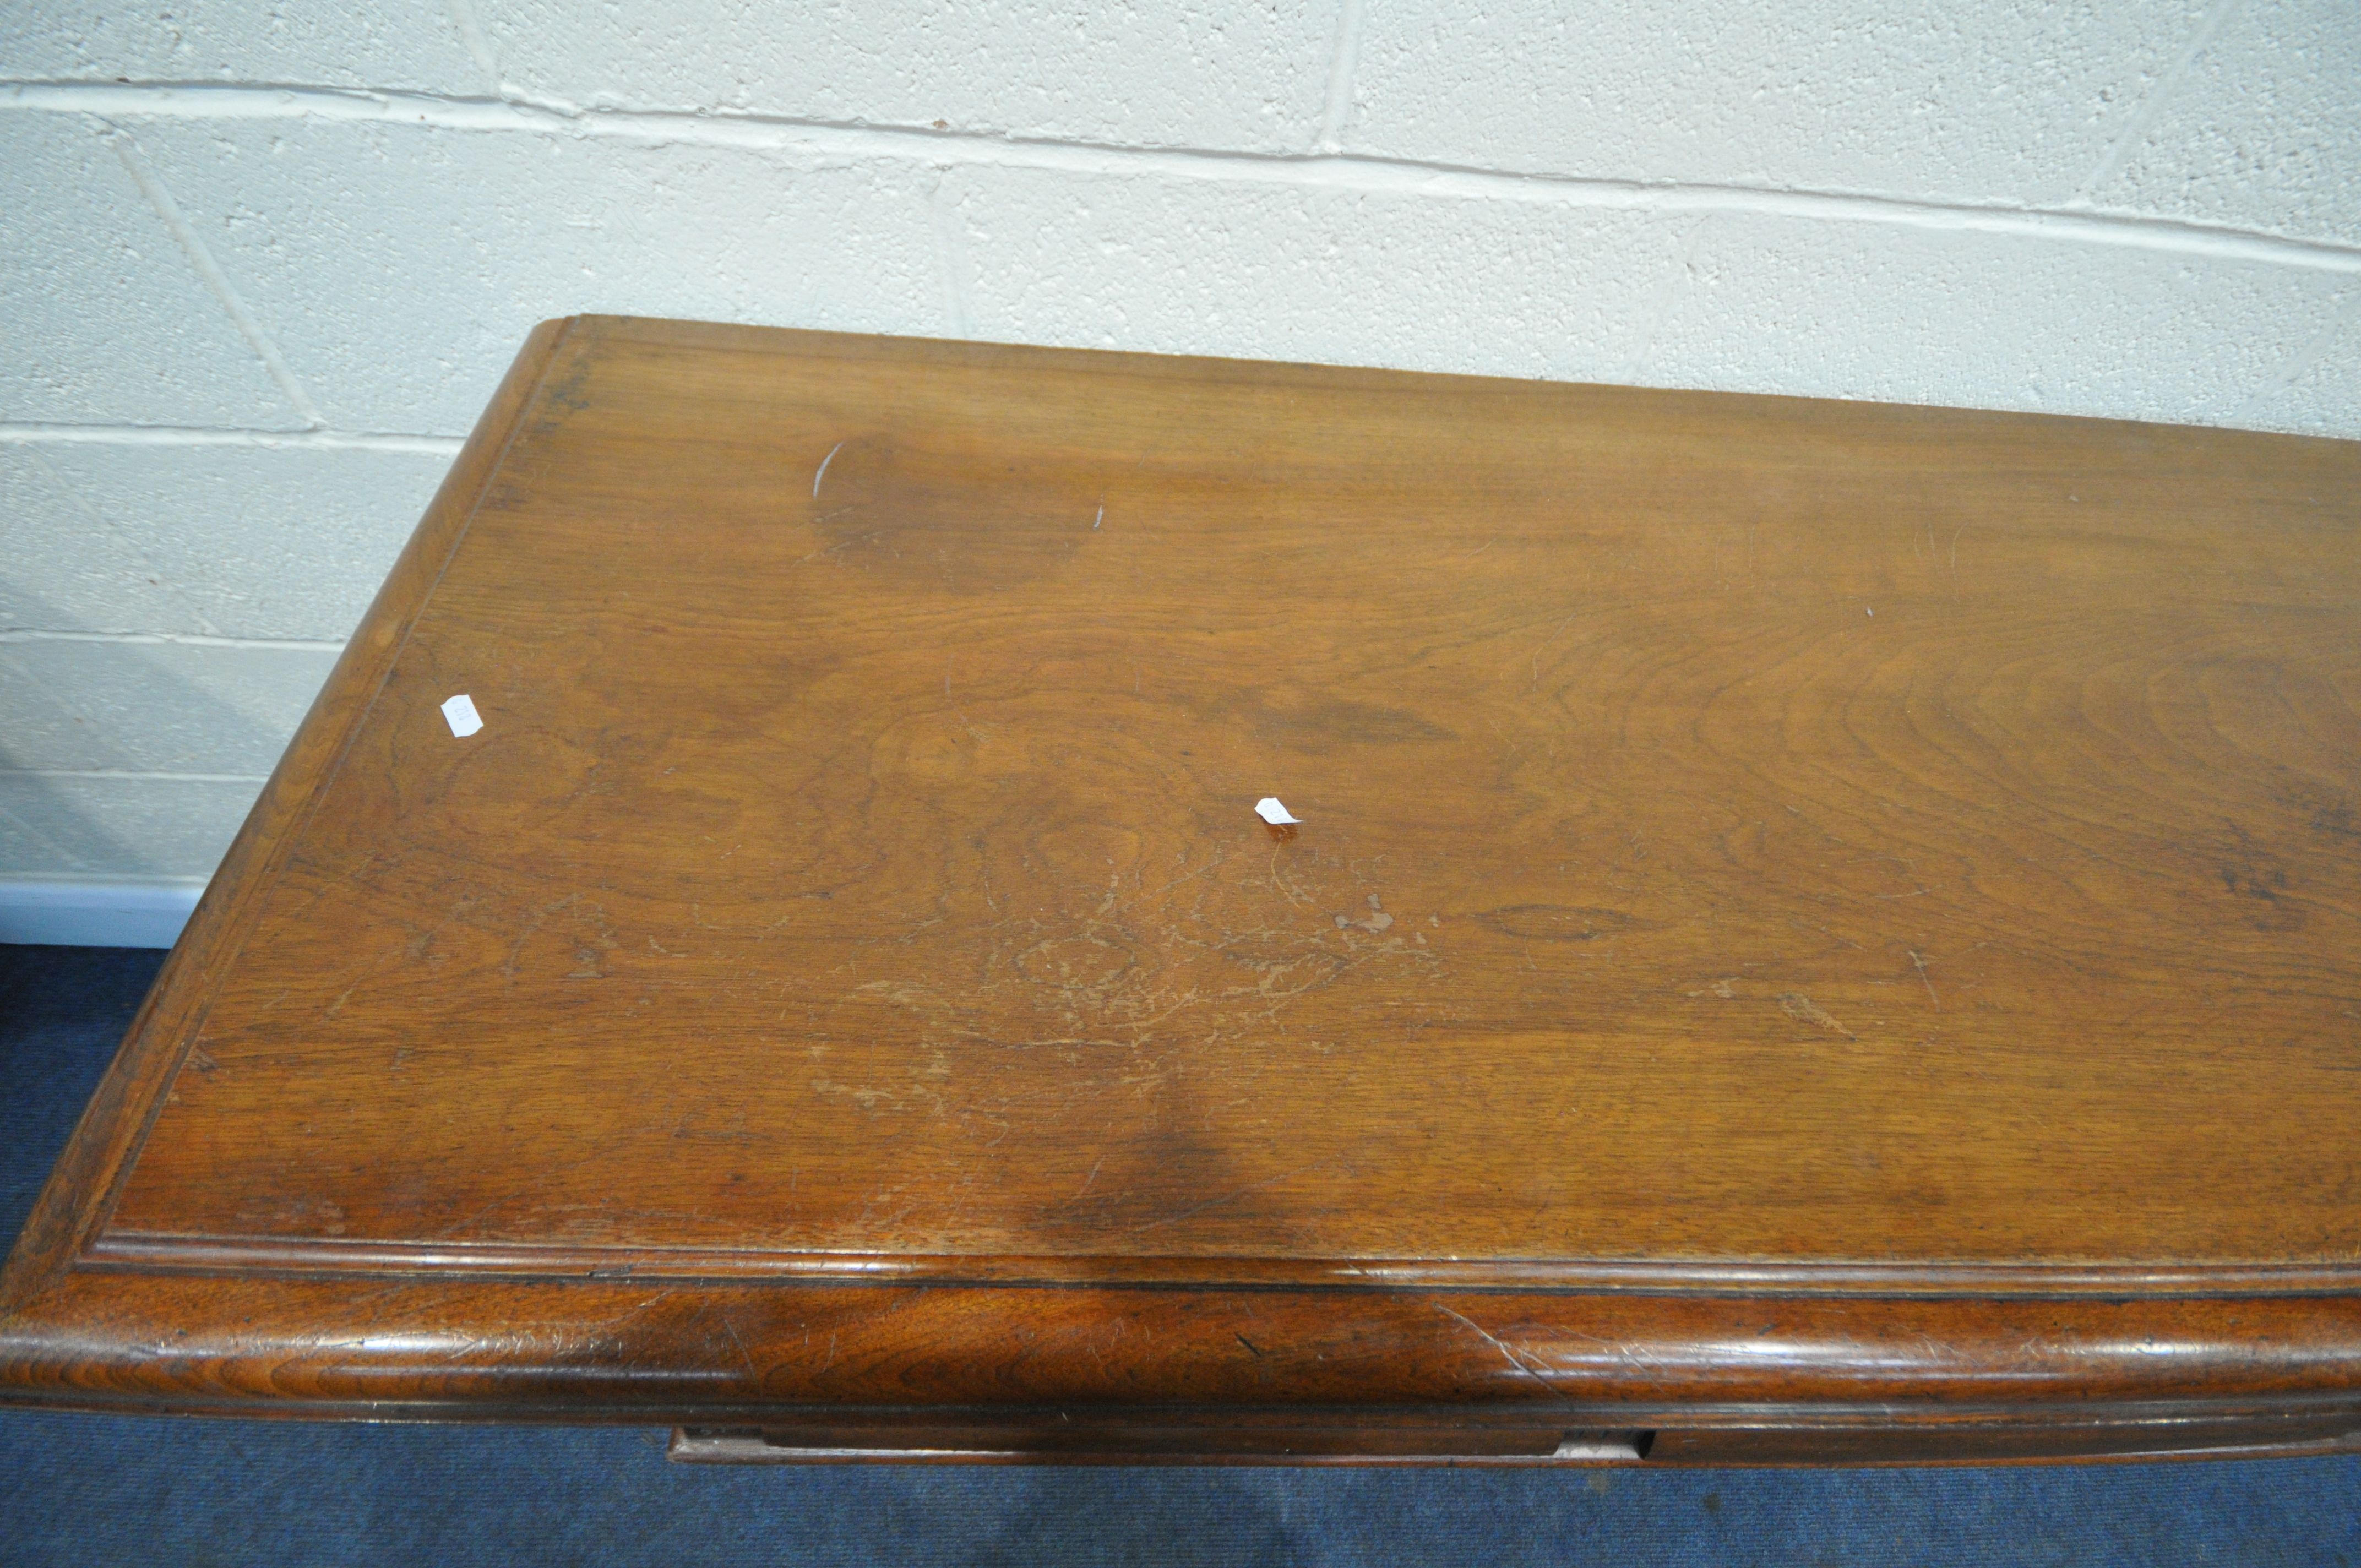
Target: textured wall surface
261, 263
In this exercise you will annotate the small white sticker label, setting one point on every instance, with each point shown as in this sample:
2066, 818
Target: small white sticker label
1270, 811
464, 719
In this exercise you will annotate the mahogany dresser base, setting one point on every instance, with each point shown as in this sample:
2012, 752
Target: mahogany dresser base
1795, 932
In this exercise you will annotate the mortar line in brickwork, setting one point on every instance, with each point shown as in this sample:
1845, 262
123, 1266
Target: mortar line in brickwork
27, 434
2348, 309
478, 46
135, 162
2152, 105
145, 638
826, 142
140, 774
1343, 62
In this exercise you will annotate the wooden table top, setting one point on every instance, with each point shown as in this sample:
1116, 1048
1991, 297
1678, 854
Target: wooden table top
1793, 902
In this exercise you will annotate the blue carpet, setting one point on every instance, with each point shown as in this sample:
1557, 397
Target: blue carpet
92, 1489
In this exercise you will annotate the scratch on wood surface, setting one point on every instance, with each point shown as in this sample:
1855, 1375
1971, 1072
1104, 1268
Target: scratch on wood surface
1546, 644
839, 544
1491, 1338
1803, 1010
821, 471
1921, 965
732, 1329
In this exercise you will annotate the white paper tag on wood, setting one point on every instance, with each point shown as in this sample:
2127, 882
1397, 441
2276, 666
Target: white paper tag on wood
461, 712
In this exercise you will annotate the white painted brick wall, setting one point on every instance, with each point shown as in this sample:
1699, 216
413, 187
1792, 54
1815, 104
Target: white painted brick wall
105, 320
277, 540
329, 43
261, 264
390, 263
2260, 131
1197, 74
2008, 102
1429, 281
210, 708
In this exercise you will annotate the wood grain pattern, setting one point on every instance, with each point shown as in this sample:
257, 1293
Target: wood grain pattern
1759, 858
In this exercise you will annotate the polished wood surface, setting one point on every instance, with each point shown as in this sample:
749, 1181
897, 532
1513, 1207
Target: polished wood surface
1800, 910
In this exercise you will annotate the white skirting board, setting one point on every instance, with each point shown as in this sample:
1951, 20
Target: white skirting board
96, 913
